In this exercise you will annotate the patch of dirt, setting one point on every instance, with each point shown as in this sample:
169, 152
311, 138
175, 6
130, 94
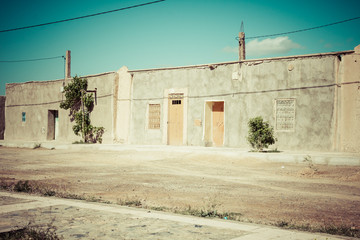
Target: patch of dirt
259, 191
307, 172
355, 177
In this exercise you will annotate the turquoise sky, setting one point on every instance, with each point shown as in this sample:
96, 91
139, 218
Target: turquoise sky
166, 34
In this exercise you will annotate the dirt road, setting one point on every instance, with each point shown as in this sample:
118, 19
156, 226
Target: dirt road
256, 190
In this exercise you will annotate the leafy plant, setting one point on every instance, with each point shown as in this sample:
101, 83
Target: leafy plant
261, 134
81, 104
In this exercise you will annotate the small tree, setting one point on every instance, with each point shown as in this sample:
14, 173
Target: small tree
81, 104
261, 134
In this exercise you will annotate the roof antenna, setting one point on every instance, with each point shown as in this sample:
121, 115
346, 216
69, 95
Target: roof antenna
242, 27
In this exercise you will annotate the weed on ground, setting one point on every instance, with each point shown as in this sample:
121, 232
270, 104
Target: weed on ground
32, 232
328, 228
209, 211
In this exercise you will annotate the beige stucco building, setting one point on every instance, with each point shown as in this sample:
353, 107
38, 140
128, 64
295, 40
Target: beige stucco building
313, 102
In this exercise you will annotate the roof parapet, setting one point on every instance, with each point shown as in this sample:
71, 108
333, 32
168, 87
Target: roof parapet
245, 61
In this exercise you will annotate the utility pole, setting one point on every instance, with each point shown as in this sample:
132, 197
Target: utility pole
242, 43
68, 66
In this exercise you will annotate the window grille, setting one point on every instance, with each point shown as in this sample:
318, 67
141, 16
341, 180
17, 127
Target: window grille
154, 116
285, 114
176, 96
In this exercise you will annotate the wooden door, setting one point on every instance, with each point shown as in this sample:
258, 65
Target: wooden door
218, 123
51, 125
175, 119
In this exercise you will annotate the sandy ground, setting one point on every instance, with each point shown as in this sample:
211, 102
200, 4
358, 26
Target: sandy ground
259, 191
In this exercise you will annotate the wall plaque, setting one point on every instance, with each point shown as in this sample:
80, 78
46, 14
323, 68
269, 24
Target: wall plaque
285, 114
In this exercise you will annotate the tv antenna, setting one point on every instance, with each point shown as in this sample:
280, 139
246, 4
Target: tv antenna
242, 27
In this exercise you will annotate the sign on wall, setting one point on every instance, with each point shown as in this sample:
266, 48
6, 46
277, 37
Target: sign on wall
285, 114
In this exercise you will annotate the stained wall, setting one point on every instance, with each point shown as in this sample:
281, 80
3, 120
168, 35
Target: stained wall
28, 105
312, 101
297, 95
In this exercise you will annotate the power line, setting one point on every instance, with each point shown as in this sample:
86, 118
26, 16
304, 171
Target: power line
31, 60
303, 30
85, 16
202, 96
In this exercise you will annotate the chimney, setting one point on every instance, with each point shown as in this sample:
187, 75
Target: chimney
241, 46
68, 65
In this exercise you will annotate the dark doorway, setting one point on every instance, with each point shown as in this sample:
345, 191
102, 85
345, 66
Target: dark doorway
53, 118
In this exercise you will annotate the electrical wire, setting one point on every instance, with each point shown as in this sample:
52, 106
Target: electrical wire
203, 96
31, 60
302, 30
85, 16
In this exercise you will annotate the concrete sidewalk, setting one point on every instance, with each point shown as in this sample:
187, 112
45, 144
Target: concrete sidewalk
83, 220
328, 158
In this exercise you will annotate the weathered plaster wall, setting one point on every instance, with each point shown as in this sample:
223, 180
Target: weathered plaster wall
2, 117
37, 98
122, 105
350, 103
324, 89
34, 99
102, 115
310, 80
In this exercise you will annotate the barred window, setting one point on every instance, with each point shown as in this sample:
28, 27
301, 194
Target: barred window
154, 116
285, 114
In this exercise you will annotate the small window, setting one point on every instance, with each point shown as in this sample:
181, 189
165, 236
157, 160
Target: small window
154, 116
23, 116
175, 102
285, 109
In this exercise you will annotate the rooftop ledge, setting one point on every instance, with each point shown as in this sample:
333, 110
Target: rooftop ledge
58, 80
246, 61
198, 66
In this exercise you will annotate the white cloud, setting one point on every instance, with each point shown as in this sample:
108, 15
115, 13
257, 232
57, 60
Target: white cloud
325, 44
279, 45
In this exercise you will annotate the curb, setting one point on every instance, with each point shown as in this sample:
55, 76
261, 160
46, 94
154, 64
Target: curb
326, 158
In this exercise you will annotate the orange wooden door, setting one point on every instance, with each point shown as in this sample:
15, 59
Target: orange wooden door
175, 120
218, 123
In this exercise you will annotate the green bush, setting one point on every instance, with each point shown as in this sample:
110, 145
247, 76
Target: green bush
81, 104
261, 134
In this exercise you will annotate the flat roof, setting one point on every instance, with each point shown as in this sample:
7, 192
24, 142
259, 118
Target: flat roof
198, 66
244, 61
56, 80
